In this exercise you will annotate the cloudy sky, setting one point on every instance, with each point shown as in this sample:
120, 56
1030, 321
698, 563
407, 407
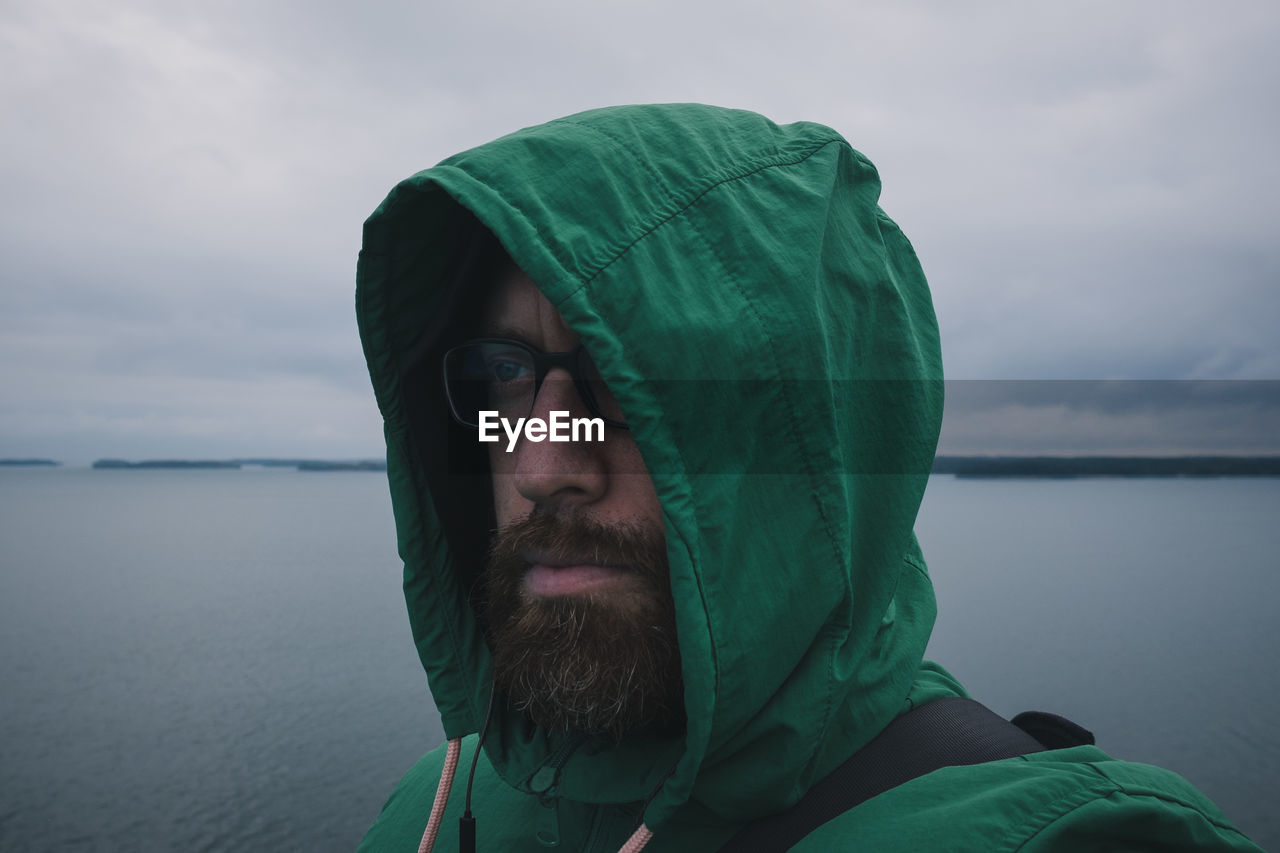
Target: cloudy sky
1091, 186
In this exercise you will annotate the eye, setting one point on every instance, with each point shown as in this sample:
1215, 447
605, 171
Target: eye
506, 370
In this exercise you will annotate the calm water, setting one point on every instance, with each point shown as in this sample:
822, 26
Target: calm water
220, 660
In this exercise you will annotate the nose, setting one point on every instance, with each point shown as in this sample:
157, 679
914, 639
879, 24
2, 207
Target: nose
559, 474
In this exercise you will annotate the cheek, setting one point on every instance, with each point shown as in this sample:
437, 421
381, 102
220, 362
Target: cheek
632, 485
508, 504
635, 496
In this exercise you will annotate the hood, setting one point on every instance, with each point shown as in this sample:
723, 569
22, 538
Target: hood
770, 337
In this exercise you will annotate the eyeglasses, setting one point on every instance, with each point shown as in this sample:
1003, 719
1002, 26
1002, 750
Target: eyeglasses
502, 375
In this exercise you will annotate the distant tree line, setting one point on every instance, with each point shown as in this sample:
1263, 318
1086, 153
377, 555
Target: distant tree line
164, 463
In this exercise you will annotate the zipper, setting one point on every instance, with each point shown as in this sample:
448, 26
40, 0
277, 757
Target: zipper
544, 784
545, 781
596, 834
547, 830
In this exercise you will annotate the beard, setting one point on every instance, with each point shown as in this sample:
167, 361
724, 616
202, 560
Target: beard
602, 662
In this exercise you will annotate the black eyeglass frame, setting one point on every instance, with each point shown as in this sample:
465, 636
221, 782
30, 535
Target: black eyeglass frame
573, 362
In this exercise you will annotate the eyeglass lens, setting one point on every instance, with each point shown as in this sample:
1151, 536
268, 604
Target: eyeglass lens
503, 377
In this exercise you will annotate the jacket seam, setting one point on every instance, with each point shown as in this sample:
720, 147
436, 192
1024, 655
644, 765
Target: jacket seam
1127, 791
712, 640
1039, 821
753, 167
1118, 791
636, 158
916, 564
796, 437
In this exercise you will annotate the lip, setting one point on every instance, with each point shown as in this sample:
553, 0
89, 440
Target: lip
552, 576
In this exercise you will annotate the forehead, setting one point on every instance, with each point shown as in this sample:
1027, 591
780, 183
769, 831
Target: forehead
516, 306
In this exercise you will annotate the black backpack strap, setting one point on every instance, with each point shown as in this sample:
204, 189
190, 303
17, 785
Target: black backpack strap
1052, 731
944, 733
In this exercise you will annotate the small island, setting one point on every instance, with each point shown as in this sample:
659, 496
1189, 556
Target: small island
164, 463
28, 463
360, 465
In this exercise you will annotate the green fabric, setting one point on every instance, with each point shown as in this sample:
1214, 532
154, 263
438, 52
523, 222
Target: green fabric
771, 339
1069, 799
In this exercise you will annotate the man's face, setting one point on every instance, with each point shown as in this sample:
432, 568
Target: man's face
582, 621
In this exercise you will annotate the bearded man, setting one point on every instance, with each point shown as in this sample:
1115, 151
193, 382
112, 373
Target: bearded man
674, 637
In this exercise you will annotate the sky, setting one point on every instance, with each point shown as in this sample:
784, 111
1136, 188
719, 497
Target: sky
1091, 188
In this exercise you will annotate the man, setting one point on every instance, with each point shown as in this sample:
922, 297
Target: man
680, 623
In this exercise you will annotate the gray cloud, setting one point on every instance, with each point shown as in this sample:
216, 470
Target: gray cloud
1160, 417
1089, 186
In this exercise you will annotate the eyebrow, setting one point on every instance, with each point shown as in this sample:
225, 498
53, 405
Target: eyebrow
487, 331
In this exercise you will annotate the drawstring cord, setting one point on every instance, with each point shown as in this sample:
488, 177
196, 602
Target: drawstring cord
442, 795
467, 824
637, 841
643, 834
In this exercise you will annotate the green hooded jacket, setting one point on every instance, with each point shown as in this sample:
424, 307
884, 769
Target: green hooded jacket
770, 337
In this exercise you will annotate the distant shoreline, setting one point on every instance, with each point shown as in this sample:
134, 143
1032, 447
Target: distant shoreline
1068, 467
235, 464
986, 467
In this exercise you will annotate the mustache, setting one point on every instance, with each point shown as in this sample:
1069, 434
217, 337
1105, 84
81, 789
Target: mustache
575, 538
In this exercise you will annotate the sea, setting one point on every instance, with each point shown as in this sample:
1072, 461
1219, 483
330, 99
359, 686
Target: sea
219, 660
